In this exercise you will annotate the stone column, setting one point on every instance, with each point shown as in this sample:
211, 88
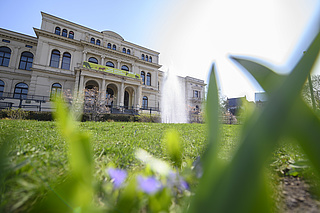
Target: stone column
118, 66
76, 83
103, 90
81, 84
102, 60
121, 95
84, 57
139, 94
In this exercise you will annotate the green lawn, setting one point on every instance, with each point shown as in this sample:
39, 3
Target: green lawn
39, 155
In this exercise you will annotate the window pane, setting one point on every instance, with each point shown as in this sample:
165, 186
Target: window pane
64, 33
22, 65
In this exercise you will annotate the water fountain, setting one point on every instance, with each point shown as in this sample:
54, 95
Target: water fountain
173, 106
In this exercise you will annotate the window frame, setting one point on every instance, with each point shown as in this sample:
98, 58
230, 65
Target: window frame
71, 33
55, 58
2, 84
114, 47
143, 77
127, 68
148, 82
56, 88
5, 56
65, 33
23, 91
98, 42
27, 63
66, 61
92, 40
56, 30
145, 102
110, 62
95, 62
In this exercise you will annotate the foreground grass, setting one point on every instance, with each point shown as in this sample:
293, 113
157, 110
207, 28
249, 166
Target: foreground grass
39, 155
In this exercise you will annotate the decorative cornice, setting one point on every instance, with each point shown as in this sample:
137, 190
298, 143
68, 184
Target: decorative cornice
18, 37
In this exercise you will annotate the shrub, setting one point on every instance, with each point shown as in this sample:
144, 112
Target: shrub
16, 113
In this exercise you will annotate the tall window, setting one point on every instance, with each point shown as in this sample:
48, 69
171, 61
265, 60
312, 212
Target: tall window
125, 68
26, 61
55, 89
196, 94
149, 79
1, 87
110, 64
66, 59
150, 59
71, 34
93, 41
146, 58
21, 91
143, 76
57, 31
98, 42
124, 50
114, 47
5, 54
142, 56
145, 102
109, 46
93, 60
128, 52
55, 58
64, 33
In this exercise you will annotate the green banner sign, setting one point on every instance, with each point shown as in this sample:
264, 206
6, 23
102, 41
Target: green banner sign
99, 67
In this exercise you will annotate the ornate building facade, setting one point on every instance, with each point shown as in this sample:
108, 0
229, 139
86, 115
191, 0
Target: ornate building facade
65, 56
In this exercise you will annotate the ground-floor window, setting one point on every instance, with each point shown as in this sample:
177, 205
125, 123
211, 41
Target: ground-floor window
21, 91
145, 102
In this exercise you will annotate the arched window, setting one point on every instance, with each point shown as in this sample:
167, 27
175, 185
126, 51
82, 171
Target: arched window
110, 64
93, 60
1, 87
55, 58
114, 47
149, 79
128, 52
21, 91
143, 77
125, 68
66, 59
98, 42
57, 31
124, 50
26, 61
142, 56
150, 59
55, 89
146, 58
109, 46
5, 54
71, 34
64, 33
93, 41
145, 102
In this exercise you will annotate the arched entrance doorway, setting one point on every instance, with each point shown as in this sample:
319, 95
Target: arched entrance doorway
111, 94
92, 84
128, 98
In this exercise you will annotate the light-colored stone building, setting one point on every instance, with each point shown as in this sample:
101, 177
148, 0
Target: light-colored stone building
65, 56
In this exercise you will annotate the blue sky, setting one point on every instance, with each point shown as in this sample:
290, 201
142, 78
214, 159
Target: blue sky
190, 34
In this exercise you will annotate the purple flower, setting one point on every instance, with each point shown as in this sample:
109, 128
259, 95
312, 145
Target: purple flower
149, 185
117, 176
175, 180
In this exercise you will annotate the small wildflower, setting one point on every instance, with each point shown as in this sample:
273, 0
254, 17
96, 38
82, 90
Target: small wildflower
149, 185
175, 180
117, 176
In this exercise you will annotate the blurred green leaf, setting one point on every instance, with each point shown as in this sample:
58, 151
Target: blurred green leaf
173, 147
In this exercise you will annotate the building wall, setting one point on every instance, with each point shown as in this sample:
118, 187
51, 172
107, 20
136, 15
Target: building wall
42, 76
